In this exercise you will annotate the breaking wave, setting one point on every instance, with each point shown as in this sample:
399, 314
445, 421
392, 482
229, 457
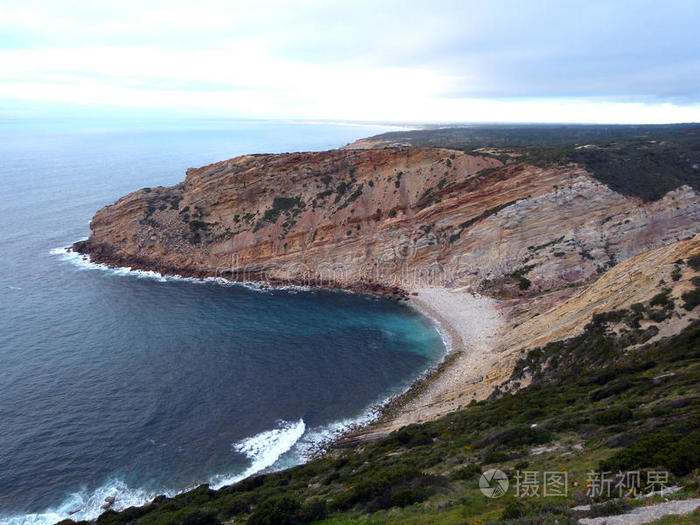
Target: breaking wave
82, 505
263, 450
83, 262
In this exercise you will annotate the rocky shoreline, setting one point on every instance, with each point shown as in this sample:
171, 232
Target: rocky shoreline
432, 302
102, 255
394, 408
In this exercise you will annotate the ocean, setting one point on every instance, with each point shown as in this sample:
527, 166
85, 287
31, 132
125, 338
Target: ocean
132, 384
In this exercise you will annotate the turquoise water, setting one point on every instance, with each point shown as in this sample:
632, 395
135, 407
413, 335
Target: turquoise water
120, 383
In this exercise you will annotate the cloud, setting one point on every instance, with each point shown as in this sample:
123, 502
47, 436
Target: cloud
444, 60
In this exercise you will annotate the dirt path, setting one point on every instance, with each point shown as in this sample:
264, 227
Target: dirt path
646, 514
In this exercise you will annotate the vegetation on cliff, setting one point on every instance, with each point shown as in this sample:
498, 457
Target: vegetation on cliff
601, 401
643, 161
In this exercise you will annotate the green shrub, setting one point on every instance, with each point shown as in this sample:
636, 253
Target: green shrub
519, 274
662, 299
234, 505
468, 472
691, 299
378, 489
694, 262
271, 215
495, 456
524, 283
128, 515
199, 225
609, 508
660, 315
280, 204
680, 454
612, 416
412, 436
520, 435
314, 509
638, 308
198, 517
405, 497
282, 510
286, 203
613, 388
514, 509
107, 517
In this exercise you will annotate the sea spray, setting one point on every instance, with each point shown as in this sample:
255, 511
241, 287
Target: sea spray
84, 505
263, 449
84, 262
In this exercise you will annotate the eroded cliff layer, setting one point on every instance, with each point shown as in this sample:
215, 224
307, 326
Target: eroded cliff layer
394, 218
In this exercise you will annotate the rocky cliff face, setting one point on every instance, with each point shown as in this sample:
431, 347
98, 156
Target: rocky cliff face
392, 218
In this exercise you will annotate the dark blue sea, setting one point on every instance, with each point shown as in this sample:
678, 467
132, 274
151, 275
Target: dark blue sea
127, 384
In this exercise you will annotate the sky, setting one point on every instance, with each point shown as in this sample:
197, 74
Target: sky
378, 61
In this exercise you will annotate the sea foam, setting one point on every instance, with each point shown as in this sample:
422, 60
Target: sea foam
83, 262
264, 450
87, 506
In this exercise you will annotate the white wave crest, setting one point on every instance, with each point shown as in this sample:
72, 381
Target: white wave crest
263, 450
83, 262
86, 506
318, 439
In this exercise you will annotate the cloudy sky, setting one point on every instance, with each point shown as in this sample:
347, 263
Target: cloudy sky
496, 60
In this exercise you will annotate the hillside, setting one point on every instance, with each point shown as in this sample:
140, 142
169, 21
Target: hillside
592, 404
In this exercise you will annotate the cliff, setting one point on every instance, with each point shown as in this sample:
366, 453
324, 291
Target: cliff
389, 219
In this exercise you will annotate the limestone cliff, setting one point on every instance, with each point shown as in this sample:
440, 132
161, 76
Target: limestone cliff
389, 219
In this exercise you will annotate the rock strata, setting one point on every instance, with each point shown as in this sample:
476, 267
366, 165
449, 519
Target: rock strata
387, 220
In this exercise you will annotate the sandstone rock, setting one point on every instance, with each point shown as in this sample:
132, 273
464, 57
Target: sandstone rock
387, 220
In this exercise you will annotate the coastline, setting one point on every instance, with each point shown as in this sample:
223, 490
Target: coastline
471, 323
83, 248
468, 325
375, 414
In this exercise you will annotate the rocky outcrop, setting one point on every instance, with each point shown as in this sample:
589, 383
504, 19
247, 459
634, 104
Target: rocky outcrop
390, 219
